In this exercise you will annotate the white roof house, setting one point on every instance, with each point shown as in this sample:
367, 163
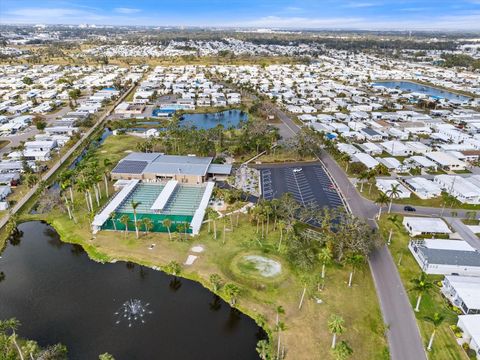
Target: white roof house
371, 148
390, 162
446, 161
418, 148
385, 185
396, 148
365, 159
424, 188
425, 226
422, 162
470, 324
463, 292
446, 257
461, 188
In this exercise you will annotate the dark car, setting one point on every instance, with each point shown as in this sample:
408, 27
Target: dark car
409, 208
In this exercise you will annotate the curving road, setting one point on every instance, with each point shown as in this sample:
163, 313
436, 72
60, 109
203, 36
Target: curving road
404, 338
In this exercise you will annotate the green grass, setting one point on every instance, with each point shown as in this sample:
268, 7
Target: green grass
306, 336
445, 346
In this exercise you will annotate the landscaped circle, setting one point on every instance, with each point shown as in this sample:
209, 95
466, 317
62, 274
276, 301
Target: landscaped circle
257, 266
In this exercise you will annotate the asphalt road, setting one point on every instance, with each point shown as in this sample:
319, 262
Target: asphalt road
464, 232
404, 338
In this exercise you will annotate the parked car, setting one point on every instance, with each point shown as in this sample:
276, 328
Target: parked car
409, 208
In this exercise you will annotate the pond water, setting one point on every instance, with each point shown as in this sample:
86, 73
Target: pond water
60, 295
228, 118
422, 89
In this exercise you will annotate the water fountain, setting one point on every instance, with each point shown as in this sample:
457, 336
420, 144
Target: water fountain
132, 311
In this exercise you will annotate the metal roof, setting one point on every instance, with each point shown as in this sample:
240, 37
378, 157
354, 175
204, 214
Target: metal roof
450, 257
221, 169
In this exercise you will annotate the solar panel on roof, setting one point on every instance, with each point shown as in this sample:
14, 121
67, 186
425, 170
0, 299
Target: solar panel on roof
130, 167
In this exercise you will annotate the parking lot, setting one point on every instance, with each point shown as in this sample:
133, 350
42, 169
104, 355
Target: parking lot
308, 183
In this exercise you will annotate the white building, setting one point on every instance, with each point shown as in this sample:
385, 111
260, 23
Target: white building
365, 159
385, 185
446, 161
396, 148
470, 325
423, 188
463, 292
446, 257
425, 226
461, 188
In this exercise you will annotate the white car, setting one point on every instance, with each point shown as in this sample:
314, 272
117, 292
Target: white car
297, 170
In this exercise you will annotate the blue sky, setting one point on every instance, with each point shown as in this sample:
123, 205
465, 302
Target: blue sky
319, 14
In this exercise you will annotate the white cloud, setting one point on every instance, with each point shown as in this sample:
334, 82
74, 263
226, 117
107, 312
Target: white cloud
124, 10
360, 4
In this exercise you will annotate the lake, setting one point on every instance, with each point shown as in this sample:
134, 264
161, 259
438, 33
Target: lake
60, 295
228, 118
422, 89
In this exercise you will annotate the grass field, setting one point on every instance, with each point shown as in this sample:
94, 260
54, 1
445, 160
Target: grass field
306, 335
445, 346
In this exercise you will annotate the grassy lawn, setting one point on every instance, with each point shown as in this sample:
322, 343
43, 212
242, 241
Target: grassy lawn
306, 335
444, 346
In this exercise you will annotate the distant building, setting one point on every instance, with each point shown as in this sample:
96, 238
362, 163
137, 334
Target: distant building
425, 226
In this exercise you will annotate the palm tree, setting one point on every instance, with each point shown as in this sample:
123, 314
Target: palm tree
112, 217
106, 164
421, 286
362, 177
342, 351
336, 325
393, 192
279, 310
216, 282
279, 328
167, 223
125, 220
381, 200
12, 325
436, 320
147, 224
106, 356
281, 226
30, 348
354, 260
262, 349
135, 205
231, 291
325, 256
180, 229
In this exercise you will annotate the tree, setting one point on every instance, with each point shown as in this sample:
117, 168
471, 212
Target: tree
106, 356
12, 325
436, 320
263, 349
106, 164
231, 292
336, 326
74, 94
27, 80
421, 286
147, 224
112, 217
381, 201
173, 268
342, 351
325, 256
281, 226
167, 223
39, 122
354, 260
125, 219
393, 193
362, 177
216, 282
279, 327
135, 205
279, 310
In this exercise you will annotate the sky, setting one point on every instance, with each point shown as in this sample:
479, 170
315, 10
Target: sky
451, 15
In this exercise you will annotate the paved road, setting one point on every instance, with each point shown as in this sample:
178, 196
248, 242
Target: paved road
403, 335
64, 158
464, 231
